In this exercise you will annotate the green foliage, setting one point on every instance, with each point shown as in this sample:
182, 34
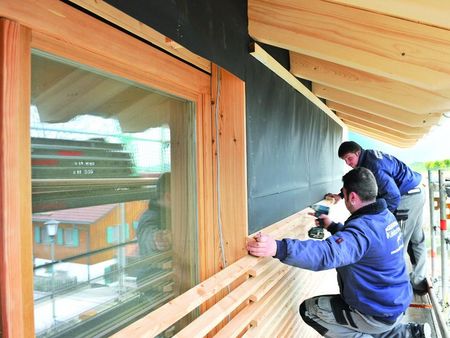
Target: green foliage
439, 164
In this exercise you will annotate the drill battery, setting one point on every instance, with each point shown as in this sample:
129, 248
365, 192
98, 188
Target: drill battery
317, 232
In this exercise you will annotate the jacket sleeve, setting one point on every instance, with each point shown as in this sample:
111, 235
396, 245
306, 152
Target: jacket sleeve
388, 190
335, 227
343, 248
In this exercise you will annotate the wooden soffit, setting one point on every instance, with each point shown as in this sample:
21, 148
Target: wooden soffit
382, 66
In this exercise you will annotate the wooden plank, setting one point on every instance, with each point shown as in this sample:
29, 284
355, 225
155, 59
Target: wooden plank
229, 193
266, 59
429, 12
382, 131
381, 89
16, 271
403, 128
208, 320
230, 155
288, 322
160, 319
242, 320
206, 208
261, 324
376, 108
380, 137
399, 49
388, 129
272, 325
119, 18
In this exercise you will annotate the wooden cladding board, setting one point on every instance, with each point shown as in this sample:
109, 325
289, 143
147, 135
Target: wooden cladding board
16, 292
272, 287
228, 115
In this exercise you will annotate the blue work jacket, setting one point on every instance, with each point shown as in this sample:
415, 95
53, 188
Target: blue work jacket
367, 252
394, 178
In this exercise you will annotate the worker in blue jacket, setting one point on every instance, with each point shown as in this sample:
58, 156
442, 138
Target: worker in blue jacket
367, 252
401, 188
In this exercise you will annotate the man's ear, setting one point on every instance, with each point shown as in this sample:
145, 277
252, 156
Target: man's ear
353, 197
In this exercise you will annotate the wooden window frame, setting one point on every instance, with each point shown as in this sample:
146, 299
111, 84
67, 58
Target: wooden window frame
59, 29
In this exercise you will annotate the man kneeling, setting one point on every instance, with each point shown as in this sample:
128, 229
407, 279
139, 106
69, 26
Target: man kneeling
367, 252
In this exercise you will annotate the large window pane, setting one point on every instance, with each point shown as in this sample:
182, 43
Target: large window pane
114, 211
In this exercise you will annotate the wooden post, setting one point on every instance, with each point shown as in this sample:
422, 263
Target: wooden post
16, 273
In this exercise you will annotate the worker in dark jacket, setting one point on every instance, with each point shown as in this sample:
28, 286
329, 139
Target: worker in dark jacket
401, 188
367, 252
153, 232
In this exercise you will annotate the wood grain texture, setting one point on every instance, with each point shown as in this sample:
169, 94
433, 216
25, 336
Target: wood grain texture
348, 112
371, 86
429, 12
377, 135
401, 50
375, 108
16, 290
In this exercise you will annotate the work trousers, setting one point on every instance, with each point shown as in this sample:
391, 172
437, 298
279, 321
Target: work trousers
413, 235
332, 317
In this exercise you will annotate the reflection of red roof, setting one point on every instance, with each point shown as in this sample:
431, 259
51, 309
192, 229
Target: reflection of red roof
86, 215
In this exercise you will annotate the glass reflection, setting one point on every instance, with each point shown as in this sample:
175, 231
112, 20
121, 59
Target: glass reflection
113, 167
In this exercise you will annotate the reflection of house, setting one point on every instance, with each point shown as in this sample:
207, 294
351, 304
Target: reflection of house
87, 229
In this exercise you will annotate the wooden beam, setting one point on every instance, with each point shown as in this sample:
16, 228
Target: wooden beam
429, 12
376, 120
266, 59
374, 87
16, 243
374, 107
381, 138
376, 134
387, 130
399, 49
119, 18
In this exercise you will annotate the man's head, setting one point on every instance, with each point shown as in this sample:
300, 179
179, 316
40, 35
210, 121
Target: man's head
163, 189
349, 151
360, 188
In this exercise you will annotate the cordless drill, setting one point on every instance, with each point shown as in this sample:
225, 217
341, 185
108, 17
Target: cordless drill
317, 232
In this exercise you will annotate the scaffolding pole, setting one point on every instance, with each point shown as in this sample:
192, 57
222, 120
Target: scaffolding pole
443, 228
431, 189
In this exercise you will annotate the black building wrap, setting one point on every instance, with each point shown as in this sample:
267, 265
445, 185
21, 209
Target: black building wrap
291, 144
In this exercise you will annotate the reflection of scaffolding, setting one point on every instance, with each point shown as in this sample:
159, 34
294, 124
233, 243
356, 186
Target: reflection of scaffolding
68, 174
443, 187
